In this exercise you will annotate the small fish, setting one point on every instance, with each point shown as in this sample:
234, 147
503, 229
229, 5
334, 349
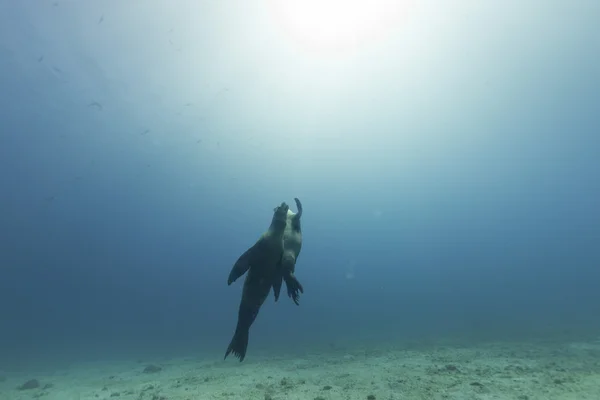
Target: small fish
96, 104
56, 69
101, 19
175, 47
146, 131
41, 59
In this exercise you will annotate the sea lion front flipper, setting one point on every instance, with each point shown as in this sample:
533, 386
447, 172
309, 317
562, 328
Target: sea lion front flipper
296, 219
278, 280
241, 266
298, 206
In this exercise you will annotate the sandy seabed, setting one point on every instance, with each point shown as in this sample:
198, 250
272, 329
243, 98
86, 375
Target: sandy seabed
516, 371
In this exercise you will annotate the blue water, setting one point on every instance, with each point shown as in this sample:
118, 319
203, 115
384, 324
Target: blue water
449, 172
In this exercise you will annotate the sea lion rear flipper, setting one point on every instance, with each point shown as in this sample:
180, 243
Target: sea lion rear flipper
241, 266
294, 288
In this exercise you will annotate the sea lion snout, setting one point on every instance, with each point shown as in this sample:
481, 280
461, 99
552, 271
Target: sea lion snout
280, 215
282, 209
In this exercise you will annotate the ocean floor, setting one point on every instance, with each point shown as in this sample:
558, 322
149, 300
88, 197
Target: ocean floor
516, 371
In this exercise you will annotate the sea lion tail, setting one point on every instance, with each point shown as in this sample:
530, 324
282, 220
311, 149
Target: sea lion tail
239, 344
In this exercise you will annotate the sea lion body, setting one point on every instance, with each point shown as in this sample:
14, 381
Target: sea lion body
263, 264
292, 245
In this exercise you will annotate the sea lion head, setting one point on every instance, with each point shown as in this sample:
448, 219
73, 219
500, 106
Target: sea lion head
280, 213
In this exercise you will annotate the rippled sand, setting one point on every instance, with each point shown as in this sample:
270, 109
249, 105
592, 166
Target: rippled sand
516, 371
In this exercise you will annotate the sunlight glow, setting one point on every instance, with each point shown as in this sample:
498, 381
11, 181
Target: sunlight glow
338, 24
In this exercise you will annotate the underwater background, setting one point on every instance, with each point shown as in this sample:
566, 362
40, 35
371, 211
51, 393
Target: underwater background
447, 155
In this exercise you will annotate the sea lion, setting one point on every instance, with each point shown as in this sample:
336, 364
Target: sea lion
292, 244
262, 262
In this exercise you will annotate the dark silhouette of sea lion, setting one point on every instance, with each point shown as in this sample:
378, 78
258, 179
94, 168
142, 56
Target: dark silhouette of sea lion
262, 262
292, 244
